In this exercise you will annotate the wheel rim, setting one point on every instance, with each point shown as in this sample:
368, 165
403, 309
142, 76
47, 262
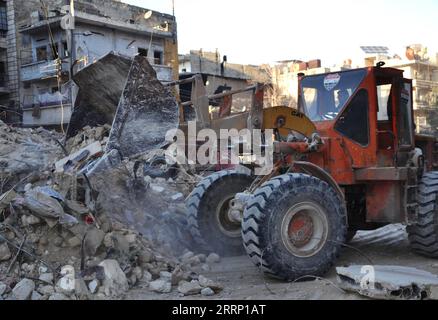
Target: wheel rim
304, 229
227, 227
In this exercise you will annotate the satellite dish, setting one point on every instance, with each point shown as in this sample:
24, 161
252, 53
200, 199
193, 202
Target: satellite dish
148, 15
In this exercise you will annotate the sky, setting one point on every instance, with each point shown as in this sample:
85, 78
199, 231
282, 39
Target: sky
261, 31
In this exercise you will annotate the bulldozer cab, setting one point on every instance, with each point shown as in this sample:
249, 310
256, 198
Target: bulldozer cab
365, 118
369, 110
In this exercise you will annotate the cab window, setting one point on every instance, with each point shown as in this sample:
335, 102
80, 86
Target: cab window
354, 121
323, 97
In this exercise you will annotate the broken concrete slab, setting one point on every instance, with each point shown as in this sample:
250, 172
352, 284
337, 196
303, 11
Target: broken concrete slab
208, 283
70, 163
5, 253
389, 282
43, 205
23, 289
93, 240
189, 288
115, 282
160, 286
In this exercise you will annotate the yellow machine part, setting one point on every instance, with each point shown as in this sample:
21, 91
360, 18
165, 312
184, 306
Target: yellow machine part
287, 119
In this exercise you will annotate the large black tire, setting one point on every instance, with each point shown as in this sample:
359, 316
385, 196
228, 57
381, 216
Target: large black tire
207, 209
267, 229
423, 236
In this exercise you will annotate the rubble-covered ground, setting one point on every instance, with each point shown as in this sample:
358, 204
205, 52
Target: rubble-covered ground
59, 241
62, 240
242, 281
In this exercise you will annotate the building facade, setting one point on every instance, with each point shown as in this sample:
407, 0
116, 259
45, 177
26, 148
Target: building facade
9, 73
48, 55
418, 66
219, 76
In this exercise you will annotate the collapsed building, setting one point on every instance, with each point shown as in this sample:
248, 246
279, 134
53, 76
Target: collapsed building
80, 220
47, 56
219, 76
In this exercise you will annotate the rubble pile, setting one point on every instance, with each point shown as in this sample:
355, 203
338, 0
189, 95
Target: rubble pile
60, 241
88, 136
25, 152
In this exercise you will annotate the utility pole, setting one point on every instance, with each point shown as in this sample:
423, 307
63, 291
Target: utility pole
73, 44
68, 24
173, 8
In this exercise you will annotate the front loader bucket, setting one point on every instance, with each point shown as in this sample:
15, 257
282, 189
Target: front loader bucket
126, 93
100, 87
146, 112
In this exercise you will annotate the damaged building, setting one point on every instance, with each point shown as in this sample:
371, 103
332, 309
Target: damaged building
220, 76
9, 82
48, 55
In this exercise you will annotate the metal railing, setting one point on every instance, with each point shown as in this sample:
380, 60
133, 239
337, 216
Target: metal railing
45, 101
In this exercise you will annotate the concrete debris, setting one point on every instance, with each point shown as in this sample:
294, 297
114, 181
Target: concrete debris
66, 284
157, 189
187, 256
46, 277
213, 258
58, 297
75, 160
160, 286
23, 289
88, 136
189, 288
93, 286
178, 197
93, 240
107, 234
30, 221
26, 152
207, 292
46, 290
81, 289
166, 276
389, 282
115, 282
5, 253
207, 283
3, 288
206, 267
6, 199
45, 203
36, 296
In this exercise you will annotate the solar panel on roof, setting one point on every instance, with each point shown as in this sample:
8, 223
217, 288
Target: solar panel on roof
375, 49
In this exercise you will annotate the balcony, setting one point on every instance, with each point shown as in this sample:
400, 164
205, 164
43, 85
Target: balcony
42, 70
46, 110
